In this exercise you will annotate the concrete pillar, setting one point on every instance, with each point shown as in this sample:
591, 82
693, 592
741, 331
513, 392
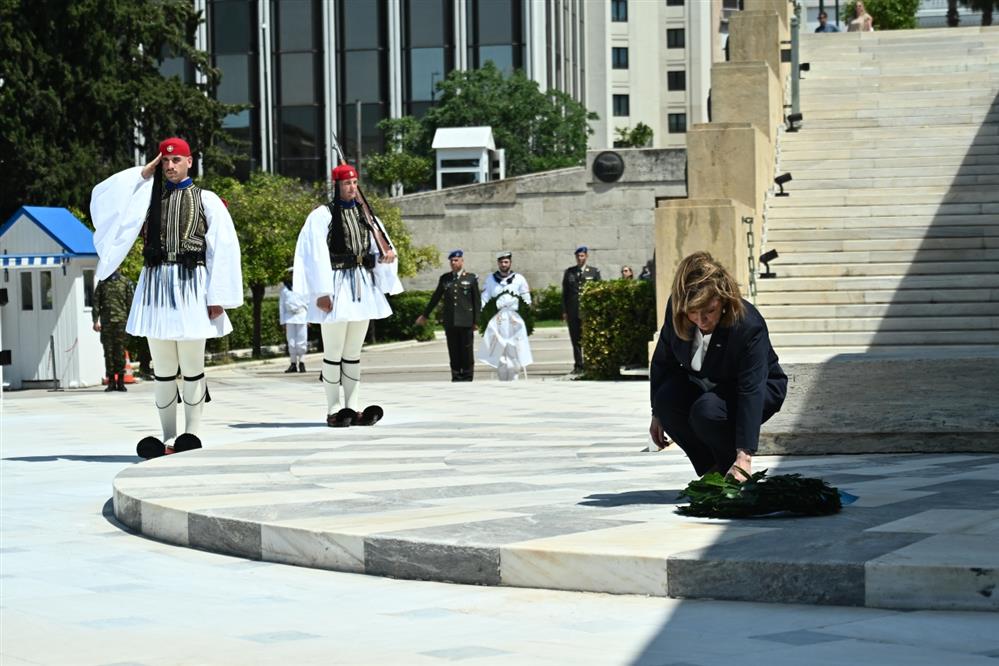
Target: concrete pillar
684, 226
755, 36
782, 7
729, 161
747, 92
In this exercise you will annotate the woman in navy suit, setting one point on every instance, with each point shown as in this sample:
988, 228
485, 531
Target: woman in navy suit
714, 378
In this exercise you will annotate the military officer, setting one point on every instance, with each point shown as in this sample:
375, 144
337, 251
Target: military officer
460, 291
572, 283
112, 301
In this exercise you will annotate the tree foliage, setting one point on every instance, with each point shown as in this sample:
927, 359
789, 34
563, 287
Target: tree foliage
638, 136
81, 90
402, 162
887, 14
619, 320
538, 130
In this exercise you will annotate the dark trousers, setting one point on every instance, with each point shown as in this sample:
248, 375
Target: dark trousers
575, 335
113, 341
700, 422
460, 352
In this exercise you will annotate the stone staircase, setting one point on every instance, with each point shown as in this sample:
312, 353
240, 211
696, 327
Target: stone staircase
889, 240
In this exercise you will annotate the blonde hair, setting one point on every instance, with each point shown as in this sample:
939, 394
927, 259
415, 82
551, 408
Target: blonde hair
699, 280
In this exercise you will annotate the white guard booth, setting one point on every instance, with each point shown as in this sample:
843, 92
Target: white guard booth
48, 262
470, 152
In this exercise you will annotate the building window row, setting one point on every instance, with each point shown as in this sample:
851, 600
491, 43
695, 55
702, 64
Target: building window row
677, 123
675, 38
676, 80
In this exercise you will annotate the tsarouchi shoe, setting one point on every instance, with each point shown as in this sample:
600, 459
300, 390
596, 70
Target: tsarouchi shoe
291, 368
370, 416
341, 419
186, 442
150, 447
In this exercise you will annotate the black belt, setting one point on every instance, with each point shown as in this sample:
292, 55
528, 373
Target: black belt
186, 259
352, 260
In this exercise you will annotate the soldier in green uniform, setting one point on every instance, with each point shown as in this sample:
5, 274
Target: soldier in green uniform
572, 282
460, 292
112, 302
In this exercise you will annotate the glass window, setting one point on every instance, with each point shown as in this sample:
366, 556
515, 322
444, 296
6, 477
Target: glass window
363, 80
309, 170
622, 105
232, 30
619, 11
45, 286
234, 86
299, 131
298, 83
675, 38
495, 22
676, 80
619, 57
362, 24
27, 291
677, 123
88, 287
675, 3
426, 68
295, 25
427, 22
371, 115
501, 56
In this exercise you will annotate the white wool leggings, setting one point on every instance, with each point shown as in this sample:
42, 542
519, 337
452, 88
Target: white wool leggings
188, 358
298, 341
342, 341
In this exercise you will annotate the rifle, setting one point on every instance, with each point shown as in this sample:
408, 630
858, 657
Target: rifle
369, 214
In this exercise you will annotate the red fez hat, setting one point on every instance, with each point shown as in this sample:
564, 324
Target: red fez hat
175, 146
344, 172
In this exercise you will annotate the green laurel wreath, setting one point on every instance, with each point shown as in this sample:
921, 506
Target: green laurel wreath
717, 496
490, 309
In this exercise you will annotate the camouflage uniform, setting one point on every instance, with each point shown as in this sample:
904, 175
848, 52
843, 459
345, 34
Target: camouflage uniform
112, 301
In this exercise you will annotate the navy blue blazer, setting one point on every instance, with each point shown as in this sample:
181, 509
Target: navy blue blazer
740, 361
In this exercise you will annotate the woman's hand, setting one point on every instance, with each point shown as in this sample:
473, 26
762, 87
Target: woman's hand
325, 303
657, 434
148, 170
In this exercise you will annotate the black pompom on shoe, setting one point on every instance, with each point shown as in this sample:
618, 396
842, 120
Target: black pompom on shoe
186, 442
150, 447
370, 416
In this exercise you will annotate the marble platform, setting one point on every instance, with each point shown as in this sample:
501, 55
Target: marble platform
543, 483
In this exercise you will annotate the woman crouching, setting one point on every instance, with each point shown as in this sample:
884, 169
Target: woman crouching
714, 378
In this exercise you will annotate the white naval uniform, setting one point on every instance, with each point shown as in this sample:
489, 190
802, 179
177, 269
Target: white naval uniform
504, 345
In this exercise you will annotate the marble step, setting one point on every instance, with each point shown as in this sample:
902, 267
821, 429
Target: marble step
877, 295
873, 269
898, 249
859, 218
959, 118
872, 196
872, 85
989, 309
824, 184
895, 282
986, 234
826, 101
881, 324
917, 171
801, 254
825, 162
923, 135
793, 150
819, 354
861, 338
798, 207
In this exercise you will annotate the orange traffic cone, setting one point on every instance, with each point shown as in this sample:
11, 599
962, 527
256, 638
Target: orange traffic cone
129, 375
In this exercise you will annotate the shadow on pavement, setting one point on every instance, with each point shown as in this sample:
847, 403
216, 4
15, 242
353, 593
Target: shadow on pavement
632, 497
78, 458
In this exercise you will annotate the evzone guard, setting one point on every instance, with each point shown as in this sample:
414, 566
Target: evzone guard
191, 273
345, 264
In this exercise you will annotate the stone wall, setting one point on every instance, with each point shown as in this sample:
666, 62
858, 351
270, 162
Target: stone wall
541, 218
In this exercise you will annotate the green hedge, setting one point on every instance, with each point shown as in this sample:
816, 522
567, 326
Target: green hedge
546, 303
406, 307
619, 320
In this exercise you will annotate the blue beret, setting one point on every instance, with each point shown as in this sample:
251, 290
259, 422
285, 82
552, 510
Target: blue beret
455, 253
582, 248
